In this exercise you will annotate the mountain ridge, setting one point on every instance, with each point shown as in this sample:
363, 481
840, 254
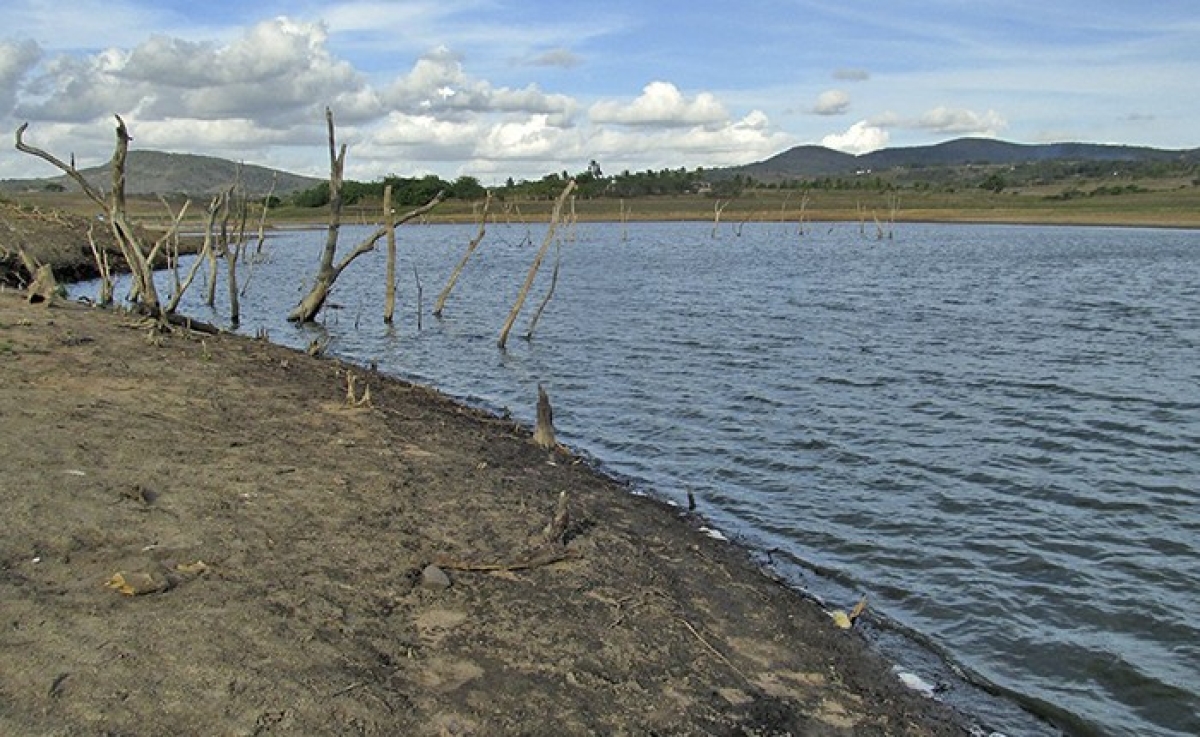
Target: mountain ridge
160, 172
813, 160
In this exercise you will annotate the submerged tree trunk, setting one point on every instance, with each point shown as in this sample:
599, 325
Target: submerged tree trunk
537, 314
312, 302
441, 300
537, 262
389, 298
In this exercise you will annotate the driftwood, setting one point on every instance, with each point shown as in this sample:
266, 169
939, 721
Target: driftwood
547, 548
537, 262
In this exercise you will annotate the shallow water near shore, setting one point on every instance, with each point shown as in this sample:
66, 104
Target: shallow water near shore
992, 431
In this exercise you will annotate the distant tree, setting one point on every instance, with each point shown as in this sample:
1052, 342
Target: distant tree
467, 188
994, 183
316, 196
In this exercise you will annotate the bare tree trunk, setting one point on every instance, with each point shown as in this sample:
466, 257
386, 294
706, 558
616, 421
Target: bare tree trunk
262, 220
894, 202
537, 262
441, 300
420, 297
213, 250
235, 307
201, 258
100, 255
389, 298
233, 251
312, 302
132, 248
537, 315
718, 208
803, 207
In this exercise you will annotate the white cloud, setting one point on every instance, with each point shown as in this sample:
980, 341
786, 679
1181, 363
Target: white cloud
272, 73
16, 60
258, 94
438, 86
832, 102
661, 104
860, 138
959, 121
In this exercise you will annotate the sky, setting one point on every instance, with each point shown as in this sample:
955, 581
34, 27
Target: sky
520, 88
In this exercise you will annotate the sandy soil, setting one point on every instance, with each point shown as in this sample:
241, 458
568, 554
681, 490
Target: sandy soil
203, 537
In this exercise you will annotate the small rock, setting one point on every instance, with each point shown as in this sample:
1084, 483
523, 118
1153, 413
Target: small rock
434, 578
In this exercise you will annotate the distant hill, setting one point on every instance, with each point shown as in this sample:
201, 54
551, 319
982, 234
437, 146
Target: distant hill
157, 172
818, 161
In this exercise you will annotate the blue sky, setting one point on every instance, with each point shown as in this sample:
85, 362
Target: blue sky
498, 88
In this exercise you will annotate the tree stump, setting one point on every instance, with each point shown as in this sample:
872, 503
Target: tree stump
543, 433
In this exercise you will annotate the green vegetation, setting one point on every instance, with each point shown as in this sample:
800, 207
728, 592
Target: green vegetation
1152, 190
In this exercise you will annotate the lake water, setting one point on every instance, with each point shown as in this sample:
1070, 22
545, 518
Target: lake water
993, 431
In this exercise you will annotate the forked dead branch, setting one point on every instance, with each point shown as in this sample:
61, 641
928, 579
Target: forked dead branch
329, 268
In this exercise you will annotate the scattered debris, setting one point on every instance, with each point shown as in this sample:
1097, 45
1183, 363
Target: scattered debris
846, 621
138, 583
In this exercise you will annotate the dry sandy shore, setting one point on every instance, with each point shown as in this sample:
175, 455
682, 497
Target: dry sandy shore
276, 539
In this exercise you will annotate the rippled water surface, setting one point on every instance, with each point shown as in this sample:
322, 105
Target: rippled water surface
992, 431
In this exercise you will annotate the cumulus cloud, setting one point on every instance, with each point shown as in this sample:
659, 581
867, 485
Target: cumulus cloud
661, 104
960, 121
259, 95
438, 86
831, 102
274, 70
16, 61
860, 138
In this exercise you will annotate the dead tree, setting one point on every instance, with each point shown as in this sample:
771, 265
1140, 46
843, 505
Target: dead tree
441, 300
803, 207
537, 262
718, 208
328, 270
209, 223
138, 255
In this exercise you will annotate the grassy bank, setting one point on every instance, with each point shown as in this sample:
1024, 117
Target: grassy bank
1157, 203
